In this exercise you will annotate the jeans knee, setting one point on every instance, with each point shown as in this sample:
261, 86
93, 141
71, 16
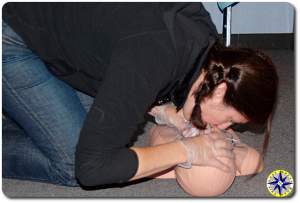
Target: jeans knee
64, 174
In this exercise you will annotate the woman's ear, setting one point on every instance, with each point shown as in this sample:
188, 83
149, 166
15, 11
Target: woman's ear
219, 93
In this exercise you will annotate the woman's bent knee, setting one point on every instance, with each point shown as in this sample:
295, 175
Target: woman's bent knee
64, 174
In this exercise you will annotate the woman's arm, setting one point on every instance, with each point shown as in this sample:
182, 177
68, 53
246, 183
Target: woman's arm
205, 150
132, 80
130, 86
158, 158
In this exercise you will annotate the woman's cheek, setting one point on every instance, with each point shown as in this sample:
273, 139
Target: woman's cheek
206, 118
213, 120
187, 110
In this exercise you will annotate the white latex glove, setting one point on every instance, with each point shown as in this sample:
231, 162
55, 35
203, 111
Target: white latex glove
166, 114
238, 146
207, 149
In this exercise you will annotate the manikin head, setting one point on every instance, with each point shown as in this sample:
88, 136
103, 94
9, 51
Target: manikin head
235, 86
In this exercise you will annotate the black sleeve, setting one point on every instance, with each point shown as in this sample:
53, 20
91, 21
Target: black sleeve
140, 66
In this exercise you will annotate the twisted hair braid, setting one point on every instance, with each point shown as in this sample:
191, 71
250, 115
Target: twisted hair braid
215, 75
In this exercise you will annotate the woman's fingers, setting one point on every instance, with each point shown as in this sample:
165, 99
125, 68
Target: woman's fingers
190, 132
225, 153
234, 135
223, 143
222, 166
153, 111
216, 134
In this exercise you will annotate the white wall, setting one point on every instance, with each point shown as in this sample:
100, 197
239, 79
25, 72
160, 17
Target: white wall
256, 17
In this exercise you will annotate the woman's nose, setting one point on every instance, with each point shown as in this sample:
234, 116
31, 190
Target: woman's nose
225, 125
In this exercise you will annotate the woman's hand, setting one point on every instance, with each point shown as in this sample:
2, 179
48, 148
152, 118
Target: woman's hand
167, 115
208, 149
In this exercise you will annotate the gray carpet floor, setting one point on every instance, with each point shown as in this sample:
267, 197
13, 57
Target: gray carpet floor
280, 155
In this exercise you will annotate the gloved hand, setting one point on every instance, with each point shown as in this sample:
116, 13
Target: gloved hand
207, 149
231, 135
240, 148
166, 114
191, 131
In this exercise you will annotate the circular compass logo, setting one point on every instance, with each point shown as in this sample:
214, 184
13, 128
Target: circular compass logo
280, 183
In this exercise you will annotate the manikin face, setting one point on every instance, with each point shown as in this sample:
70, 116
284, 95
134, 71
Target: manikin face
213, 109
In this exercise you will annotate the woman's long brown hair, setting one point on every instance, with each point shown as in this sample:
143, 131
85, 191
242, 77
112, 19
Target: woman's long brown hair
252, 84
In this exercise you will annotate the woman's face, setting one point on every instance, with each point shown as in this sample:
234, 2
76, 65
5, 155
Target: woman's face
213, 109
220, 115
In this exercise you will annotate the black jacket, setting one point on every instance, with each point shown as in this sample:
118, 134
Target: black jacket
129, 56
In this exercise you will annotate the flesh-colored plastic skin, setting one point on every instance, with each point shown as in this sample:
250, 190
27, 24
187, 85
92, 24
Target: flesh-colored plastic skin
205, 181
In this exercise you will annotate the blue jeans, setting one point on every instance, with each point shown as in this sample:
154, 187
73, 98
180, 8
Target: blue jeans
49, 111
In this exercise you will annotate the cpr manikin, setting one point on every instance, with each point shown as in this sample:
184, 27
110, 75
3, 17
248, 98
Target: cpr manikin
204, 180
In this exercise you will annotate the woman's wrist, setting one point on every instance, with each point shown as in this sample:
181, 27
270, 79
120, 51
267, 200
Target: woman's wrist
158, 158
183, 152
188, 163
